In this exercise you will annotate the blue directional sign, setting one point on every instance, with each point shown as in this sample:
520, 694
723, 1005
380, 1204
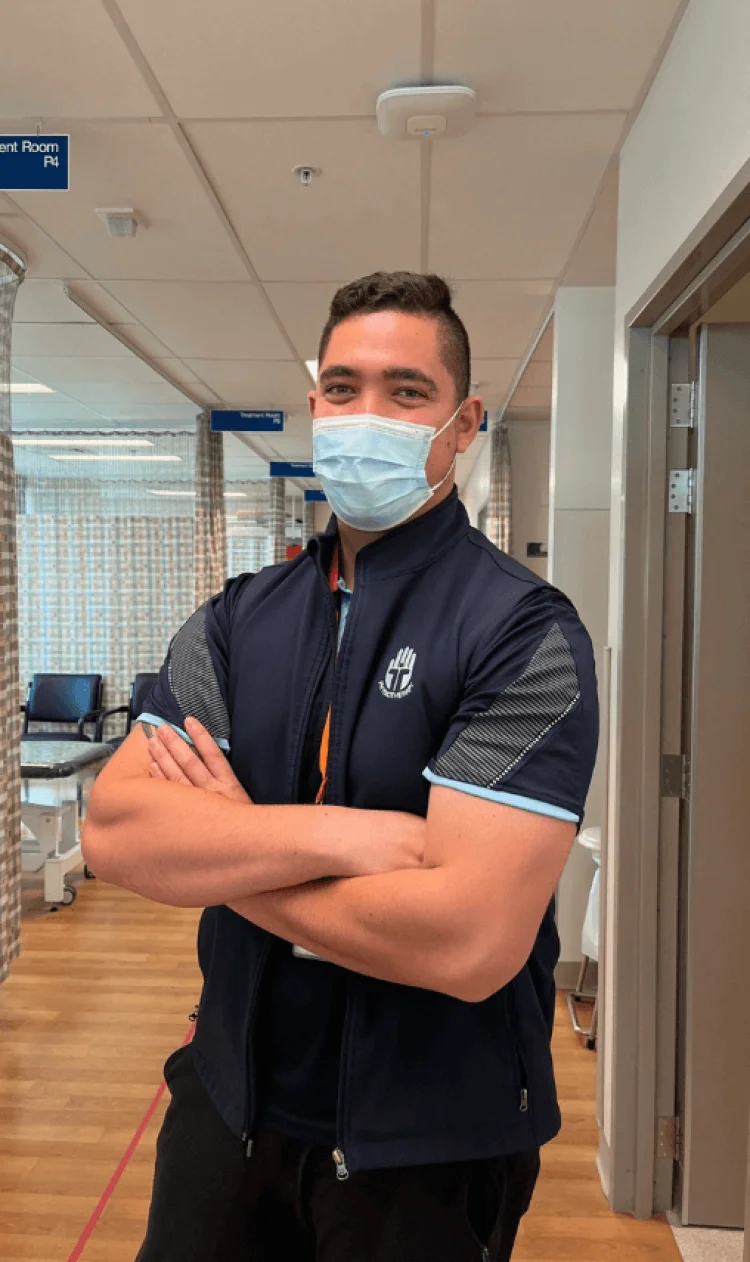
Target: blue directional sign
315, 497
34, 162
485, 425
249, 422
291, 469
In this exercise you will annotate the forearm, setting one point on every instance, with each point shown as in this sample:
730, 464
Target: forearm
188, 847
403, 926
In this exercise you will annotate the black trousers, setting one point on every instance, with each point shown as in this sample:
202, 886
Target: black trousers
211, 1203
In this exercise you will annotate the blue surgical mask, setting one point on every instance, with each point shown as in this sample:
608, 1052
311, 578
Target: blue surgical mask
372, 468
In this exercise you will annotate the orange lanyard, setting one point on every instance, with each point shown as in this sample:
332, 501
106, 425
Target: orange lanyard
325, 740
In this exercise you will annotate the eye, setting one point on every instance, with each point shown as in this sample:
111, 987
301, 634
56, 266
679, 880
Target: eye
339, 389
409, 392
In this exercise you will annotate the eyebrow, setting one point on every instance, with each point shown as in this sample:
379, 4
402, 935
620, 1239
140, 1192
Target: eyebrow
396, 373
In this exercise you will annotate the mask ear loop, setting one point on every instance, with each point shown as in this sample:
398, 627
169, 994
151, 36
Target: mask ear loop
437, 434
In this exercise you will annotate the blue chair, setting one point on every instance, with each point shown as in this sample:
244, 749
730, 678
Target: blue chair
62, 699
139, 690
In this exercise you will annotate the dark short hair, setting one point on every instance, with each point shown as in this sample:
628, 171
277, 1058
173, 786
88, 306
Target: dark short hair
412, 292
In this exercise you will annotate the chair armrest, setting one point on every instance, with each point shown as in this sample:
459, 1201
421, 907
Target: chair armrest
105, 714
93, 716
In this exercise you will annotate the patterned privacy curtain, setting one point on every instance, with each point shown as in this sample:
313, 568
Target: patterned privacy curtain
105, 550
277, 519
248, 526
12, 271
499, 507
210, 524
308, 522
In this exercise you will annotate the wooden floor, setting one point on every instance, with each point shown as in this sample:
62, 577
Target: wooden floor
99, 998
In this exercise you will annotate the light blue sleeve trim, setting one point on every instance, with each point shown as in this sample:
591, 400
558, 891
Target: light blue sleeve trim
159, 722
505, 799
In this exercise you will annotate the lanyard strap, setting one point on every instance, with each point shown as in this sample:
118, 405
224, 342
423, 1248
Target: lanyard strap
325, 740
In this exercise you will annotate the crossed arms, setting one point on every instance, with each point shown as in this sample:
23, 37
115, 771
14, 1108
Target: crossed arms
452, 903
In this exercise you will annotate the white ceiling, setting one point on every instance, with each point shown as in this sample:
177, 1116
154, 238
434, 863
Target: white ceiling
194, 115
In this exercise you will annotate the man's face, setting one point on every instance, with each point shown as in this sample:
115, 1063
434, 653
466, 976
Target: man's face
388, 363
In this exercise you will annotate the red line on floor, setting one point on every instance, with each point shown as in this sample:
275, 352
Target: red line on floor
122, 1165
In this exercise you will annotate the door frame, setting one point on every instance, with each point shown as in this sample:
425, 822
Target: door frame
638, 1030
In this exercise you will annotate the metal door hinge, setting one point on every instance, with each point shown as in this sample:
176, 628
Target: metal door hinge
668, 1138
682, 406
675, 776
681, 490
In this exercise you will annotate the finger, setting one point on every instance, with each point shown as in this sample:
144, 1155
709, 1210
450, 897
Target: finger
185, 757
157, 772
213, 757
166, 763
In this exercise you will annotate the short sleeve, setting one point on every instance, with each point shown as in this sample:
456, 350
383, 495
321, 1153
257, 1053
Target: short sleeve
527, 728
192, 682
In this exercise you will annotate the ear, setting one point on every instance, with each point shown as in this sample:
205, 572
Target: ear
468, 421
311, 398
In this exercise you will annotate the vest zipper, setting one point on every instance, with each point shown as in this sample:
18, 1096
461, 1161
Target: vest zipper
521, 1074
246, 1135
339, 1157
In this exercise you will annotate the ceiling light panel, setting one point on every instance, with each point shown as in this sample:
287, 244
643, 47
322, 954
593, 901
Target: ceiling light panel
105, 459
225, 61
294, 233
580, 55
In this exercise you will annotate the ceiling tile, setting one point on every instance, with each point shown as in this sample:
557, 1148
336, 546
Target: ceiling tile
74, 339
52, 409
159, 413
52, 369
537, 375
546, 55
143, 340
254, 383
138, 165
545, 347
303, 309
231, 59
537, 177
44, 259
594, 260
501, 316
218, 320
68, 62
101, 395
531, 397
361, 214
45, 302
492, 378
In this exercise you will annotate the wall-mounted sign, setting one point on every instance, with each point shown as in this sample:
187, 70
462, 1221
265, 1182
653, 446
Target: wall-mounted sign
37, 162
247, 421
485, 424
291, 469
315, 497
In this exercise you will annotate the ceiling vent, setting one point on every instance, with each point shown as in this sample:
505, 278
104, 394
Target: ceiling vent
120, 222
426, 113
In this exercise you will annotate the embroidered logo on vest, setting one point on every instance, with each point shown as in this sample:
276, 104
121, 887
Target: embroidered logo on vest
398, 677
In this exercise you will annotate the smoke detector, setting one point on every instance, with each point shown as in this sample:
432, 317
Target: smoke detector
426, 113
119, 222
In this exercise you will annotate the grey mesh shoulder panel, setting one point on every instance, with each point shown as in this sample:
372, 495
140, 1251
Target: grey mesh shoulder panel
193, 680
493, 743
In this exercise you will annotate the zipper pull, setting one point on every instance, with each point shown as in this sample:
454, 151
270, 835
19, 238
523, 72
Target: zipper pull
524, 1100
342, 1174
248, 1142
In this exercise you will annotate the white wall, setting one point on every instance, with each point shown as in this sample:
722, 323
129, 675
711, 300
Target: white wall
579, 522
687, 155
529, 456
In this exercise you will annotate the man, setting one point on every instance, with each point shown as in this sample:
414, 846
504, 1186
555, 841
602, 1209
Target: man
381, 757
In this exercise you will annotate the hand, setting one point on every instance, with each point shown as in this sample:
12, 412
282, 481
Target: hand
201, 764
